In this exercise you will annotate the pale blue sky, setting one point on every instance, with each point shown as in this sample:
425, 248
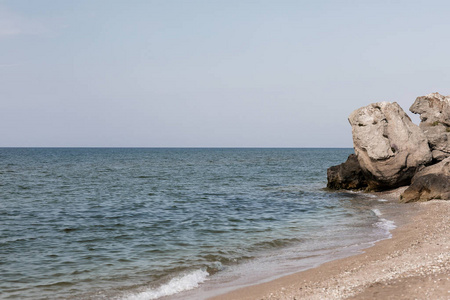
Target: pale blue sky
211, 73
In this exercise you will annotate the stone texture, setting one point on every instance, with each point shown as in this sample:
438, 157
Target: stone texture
389, 147
432, 182
347, 175
434, 111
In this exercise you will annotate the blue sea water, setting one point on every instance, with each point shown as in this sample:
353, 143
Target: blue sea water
140, 223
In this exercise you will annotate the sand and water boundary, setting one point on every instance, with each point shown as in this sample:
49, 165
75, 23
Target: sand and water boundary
413, 264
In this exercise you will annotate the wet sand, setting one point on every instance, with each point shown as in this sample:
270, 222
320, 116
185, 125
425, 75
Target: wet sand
413, 264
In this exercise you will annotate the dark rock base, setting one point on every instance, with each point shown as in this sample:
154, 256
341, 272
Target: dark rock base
427, 187
347, 175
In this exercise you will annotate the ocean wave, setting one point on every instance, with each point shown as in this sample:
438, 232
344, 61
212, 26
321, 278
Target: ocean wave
176, 285
276, 243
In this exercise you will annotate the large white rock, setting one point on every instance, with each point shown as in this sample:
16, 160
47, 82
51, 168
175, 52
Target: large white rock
390, 148
434, 110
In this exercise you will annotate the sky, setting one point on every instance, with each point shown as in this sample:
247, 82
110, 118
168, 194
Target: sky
106, 73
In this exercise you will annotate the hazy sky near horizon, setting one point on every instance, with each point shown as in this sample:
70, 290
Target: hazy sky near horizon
228, 73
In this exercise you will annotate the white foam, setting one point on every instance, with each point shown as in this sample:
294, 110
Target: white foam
382, 200
377, 212
174, 286
383, 223
386, 224
353, 192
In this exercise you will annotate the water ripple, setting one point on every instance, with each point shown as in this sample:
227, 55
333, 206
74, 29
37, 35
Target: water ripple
73, 220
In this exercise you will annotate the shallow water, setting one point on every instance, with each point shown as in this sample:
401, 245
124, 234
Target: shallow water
145, 223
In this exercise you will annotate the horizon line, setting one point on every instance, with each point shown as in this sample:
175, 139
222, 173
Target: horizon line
165, 147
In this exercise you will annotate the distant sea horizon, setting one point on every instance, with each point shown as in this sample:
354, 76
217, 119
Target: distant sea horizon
162, 147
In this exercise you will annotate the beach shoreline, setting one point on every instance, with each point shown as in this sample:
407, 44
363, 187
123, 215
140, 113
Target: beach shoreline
414, 263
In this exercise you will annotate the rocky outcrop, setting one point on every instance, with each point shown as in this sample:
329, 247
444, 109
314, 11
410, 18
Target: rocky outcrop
389, 147
434, 111
432, 182
347, 175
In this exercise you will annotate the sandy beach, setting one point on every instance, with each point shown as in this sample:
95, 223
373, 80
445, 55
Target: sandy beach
413, 264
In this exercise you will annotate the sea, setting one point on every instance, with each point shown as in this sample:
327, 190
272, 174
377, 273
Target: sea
172, 223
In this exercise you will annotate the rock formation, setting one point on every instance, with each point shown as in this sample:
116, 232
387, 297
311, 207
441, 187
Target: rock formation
432, 182
434, 110
347, 175
389, 147
390, 151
